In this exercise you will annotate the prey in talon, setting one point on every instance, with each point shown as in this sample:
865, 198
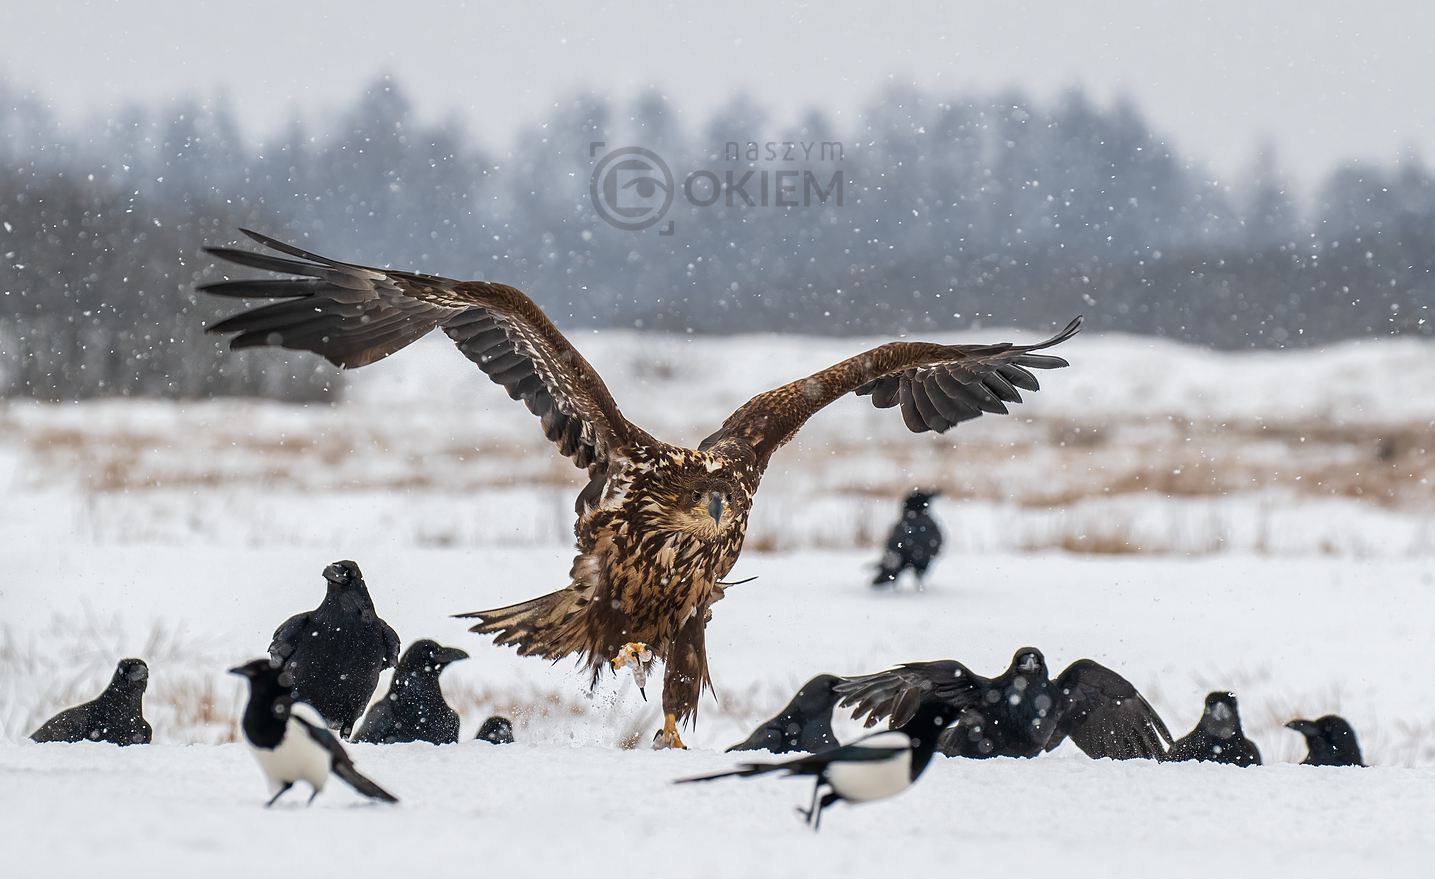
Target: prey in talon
639, 658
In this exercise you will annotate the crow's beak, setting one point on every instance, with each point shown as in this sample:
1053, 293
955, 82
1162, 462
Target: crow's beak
240, 670
445, 655
1304, 727
715, 506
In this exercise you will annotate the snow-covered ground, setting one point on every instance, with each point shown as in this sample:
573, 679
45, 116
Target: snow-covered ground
1256, 522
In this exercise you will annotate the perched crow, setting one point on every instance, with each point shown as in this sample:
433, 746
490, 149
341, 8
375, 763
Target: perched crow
914, 542
872, 768
336, 651
414, 709
1331, 741
804, 725
1217, 737
1019, 713
496, 730
290, 739
116, 716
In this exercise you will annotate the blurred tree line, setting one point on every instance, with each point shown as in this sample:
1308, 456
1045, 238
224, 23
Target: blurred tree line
954, 212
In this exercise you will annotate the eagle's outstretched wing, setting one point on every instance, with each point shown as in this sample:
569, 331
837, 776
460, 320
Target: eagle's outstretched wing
937, 387
897, 692
354, 315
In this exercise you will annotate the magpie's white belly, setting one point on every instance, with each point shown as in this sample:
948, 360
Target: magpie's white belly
297, 758
860, 782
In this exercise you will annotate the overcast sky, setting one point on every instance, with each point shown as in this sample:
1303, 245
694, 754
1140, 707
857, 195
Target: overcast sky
1324, 80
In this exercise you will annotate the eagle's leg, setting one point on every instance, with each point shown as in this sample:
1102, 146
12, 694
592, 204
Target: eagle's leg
683, 677
667, 737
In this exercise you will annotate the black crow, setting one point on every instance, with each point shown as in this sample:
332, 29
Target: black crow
336, 651
116, 716
1217, 736
914, 542
1331, 741
414, 709
1019, 713
804, 725
290, 739
496, 730
874, 767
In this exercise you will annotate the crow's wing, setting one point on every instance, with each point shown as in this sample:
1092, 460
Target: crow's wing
896, 693
391, 644
377, 723
70, 725
1105, 716
285, 636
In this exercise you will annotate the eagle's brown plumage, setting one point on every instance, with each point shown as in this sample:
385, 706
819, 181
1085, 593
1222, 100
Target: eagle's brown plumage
658, 525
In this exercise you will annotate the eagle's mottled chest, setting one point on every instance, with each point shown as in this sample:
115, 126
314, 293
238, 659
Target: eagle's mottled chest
668, 524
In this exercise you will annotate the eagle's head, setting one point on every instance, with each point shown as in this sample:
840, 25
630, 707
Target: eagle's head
703, 509
698, 497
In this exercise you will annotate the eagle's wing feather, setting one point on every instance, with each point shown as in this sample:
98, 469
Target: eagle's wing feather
936, 386
353, 315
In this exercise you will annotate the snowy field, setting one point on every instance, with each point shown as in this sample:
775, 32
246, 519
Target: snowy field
1257, 522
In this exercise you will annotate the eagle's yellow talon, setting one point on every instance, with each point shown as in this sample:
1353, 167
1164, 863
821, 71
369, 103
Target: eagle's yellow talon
637, 656
633, 654
667, 737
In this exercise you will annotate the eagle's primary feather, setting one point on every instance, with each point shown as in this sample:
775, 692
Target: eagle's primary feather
658, 525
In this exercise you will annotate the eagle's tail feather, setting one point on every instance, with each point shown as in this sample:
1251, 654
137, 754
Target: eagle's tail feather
550, 626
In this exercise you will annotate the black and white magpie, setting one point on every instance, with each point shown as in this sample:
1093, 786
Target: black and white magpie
414, 708
116, 715
804, 725
874, 767
496, 731
914, 542
1217, 737
336, 651
1020, 712
1330, 740
290, 740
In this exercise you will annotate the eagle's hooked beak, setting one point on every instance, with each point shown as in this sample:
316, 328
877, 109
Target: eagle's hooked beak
715, 505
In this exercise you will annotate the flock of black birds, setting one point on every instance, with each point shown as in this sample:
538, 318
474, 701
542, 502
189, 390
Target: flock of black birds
322, 669
944, 707
324, 666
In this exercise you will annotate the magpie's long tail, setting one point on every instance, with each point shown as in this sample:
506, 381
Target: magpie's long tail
361, 784
745, 770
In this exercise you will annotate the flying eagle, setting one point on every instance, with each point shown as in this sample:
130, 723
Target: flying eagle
658, 525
